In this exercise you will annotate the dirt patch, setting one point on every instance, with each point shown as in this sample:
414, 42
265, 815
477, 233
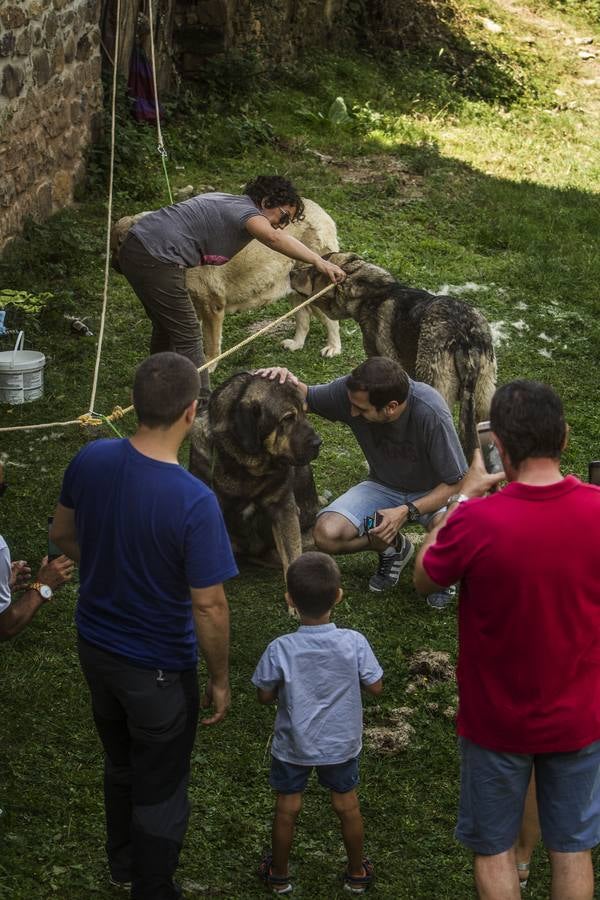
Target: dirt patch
379, 170
282, 328
395, 735
431, 665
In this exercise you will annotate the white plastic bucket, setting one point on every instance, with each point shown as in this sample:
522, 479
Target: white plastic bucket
21, 374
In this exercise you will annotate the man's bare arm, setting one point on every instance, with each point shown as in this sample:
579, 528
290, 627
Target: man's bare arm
265, 696
211, 617
63, 532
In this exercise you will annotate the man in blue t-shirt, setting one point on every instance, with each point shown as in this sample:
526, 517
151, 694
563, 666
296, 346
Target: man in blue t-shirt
153, 554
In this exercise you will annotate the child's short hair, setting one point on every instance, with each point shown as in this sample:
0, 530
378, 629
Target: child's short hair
313, 582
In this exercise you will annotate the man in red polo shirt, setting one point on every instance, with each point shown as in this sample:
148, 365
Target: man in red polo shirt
529, 646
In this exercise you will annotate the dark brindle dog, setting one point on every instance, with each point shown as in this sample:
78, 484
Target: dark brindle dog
440, 340
254, 447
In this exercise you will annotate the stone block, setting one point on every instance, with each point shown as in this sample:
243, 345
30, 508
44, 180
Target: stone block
96, 67
23, 43
50, 27
76, 111
69, 49
13, 79
36, 35
7, 44
7, 190
57, 120
60, 4
84, 48
24, 176
58, 59
12, 16
62, 190
66, 85
67, 18
41, 66
43, 200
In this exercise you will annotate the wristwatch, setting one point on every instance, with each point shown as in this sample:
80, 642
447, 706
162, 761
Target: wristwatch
44, 590
413, 513
457, 498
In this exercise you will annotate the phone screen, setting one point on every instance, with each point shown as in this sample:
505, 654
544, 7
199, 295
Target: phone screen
594, 472
53, 550
489, 451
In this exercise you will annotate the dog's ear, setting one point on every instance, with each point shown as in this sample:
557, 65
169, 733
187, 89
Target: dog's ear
301, 279
246, 420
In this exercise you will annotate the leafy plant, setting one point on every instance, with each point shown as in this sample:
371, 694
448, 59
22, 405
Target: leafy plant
24, 300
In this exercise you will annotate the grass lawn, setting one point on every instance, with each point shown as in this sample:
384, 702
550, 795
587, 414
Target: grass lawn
493, 194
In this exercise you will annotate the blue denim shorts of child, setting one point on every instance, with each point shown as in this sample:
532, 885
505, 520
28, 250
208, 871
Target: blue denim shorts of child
365, 498
288, 778
492, 796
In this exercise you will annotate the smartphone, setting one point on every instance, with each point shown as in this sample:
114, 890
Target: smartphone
53, 550
489, 451
372, 521
594, 472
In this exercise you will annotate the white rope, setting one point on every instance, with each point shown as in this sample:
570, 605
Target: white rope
161, 146
119, 412
108, 215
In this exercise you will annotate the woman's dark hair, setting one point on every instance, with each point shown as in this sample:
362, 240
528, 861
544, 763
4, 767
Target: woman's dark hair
528, 418
384, 380
275, 191
313, 581
164, 385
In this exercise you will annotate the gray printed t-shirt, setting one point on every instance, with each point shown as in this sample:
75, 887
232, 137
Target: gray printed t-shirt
415, 453
318, 671
206, 230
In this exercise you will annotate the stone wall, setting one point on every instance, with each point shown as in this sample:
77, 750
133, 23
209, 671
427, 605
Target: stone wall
50, 105
277, 30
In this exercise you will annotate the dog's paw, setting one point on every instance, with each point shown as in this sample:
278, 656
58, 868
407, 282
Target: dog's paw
212, 366
292, 344
330, 350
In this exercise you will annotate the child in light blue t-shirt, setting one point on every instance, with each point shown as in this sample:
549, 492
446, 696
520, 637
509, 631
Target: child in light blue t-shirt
315, 674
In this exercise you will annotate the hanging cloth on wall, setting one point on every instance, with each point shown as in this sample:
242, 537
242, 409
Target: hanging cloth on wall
140, 87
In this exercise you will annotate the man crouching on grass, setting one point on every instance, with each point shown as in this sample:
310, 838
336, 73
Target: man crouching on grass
529, 647
315, 674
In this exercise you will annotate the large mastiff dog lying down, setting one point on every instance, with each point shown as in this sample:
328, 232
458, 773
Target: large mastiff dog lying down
440, 340
254, 446
254, 277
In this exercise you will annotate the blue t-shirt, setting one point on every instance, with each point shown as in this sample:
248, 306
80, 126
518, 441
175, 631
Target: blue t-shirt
318, 671
147, 532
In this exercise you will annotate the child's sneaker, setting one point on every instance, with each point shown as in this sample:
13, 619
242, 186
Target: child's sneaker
358, 884
391, 565
278, 884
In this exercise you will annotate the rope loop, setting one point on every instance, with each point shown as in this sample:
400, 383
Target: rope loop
89, 419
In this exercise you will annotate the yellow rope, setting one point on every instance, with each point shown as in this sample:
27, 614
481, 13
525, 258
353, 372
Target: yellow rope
119, 412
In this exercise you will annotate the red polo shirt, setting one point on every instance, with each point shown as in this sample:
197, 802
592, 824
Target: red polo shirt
528, 562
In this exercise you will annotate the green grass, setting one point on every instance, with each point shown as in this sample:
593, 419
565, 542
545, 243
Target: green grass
438, 184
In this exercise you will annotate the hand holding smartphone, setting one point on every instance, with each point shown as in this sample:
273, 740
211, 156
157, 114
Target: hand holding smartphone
53, 550
594, 472
489, 451
372, 521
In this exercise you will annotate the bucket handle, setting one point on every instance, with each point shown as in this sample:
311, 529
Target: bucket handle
18, 345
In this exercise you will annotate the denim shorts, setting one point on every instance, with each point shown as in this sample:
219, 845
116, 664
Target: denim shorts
288, 778
365, 498
492, 797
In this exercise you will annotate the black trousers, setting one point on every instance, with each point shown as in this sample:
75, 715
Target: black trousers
147, 721
161, 288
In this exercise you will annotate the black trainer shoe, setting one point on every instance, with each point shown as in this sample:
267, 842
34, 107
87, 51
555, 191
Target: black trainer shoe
440, 599
391, 565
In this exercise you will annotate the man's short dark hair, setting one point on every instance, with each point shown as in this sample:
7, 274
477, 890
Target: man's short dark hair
384, 380
275, 191
313, 582
528, 418
163, 387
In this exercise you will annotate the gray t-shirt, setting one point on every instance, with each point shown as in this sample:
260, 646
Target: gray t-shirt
5, 573
318, 671
206, 230
416, 452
